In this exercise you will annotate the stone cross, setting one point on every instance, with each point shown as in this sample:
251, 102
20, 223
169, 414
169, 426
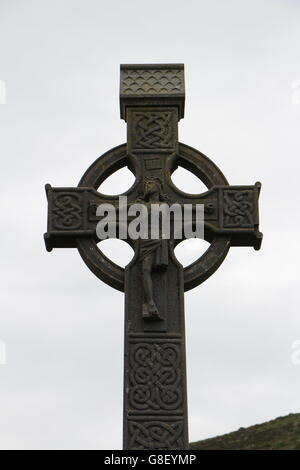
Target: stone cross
152, 102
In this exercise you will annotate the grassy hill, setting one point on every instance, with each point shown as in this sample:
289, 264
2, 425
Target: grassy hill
282, 433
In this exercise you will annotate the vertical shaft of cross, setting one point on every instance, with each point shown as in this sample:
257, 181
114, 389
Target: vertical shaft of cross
155, 396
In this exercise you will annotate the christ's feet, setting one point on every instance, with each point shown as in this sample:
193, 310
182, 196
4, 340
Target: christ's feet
150, 311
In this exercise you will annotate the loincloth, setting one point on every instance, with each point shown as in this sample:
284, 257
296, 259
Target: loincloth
158, 248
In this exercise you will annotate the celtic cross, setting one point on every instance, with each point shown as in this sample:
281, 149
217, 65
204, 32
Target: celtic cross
152, 102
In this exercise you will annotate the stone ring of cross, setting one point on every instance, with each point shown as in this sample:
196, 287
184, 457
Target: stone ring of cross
188, 158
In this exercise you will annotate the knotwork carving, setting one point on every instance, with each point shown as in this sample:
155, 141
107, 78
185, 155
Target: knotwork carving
238, 208
155, 377
156, 435
67, 211
152, 130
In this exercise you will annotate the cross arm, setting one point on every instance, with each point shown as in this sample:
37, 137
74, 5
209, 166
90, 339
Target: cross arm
229, 210
238, 215
72, 215
67, 217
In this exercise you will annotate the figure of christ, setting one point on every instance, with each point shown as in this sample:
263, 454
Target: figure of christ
154, 252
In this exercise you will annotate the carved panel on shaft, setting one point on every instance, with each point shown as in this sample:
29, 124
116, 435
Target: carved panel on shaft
152, 130
156, 435
155, 377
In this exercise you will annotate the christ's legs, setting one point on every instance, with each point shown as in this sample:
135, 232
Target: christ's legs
147, 280
150, 309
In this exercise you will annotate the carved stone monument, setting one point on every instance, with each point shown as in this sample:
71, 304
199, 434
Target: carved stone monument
152, 102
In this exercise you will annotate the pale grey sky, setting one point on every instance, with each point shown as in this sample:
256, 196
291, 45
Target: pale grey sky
62, 385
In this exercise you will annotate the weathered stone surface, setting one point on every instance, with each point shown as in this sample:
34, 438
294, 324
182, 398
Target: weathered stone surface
152, 102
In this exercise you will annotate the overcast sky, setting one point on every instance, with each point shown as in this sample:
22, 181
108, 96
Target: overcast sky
63, 328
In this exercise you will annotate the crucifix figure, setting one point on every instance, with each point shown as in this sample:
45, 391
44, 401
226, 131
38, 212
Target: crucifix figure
153, 252
152, 102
